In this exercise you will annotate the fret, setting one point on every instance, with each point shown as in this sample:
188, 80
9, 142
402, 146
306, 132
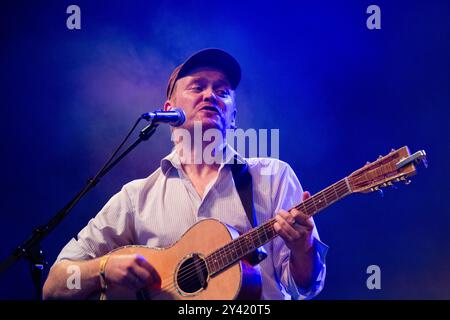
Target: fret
248, 244
319, 201
252, 238
225, 256
328, 197
338, 189
331, 195
212, 264
342, 189
228, 256
304, 208
262, 236
335, 192
234, 254
270, 230
218, 260
311, 200
324, 198
339, 186
221, 258
241, 250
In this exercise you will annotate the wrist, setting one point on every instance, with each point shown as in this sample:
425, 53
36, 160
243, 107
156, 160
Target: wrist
102, 276
303, 246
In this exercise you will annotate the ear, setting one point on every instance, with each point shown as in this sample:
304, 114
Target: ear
167, 106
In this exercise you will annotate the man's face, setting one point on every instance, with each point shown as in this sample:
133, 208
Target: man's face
205, 95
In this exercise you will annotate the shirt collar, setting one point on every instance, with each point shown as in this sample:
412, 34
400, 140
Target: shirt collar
172, 160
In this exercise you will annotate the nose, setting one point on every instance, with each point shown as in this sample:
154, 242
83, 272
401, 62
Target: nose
210, 96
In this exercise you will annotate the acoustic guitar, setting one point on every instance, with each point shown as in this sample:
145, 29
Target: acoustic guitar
209, 260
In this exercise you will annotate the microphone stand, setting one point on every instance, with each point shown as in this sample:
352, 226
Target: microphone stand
31, 250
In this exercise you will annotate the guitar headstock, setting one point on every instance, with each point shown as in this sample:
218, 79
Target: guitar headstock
394, 167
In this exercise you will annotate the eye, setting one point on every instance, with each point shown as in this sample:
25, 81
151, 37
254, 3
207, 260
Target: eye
196, 88
223, 93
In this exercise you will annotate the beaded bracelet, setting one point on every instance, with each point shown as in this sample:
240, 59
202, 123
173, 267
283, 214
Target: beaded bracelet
103, 284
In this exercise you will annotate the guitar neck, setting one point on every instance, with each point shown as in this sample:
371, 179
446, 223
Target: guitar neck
255, 238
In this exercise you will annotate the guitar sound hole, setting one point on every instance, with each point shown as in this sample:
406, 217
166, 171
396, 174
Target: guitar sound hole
192, 275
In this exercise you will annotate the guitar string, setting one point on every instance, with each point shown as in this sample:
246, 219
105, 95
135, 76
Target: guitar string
307, 204
227, 249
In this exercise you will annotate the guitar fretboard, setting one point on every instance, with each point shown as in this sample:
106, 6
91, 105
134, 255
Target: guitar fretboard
255, 238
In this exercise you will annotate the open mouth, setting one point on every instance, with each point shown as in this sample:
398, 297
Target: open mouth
210, 108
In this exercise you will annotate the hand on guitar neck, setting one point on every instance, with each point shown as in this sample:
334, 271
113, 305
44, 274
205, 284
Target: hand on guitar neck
296, 229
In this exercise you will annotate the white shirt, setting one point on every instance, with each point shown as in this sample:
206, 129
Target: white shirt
158, 210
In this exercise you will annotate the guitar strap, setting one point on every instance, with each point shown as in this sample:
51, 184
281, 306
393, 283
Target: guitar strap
244, 186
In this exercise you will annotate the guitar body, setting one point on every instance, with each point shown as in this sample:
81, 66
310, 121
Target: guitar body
182, 273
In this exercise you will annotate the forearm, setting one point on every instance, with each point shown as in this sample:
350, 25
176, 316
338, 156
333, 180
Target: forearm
59, 286
302, 266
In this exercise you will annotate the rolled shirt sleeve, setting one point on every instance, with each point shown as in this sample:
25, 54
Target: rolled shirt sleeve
112, 227
289, 194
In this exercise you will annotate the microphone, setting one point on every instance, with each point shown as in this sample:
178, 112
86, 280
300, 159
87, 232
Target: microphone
175, 117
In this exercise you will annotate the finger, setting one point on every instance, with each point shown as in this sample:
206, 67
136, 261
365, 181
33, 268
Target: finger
285, 230
155, 279
288, 217
302, 219
281, 232
143, 278
285, 222
305, 195
136, 277
133, 281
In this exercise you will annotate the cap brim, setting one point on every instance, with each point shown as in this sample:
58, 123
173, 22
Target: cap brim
214, 58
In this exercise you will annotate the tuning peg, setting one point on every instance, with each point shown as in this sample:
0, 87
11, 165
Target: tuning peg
389, 183
392, 150
384, 184
367, 163
381, 193
380, 156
